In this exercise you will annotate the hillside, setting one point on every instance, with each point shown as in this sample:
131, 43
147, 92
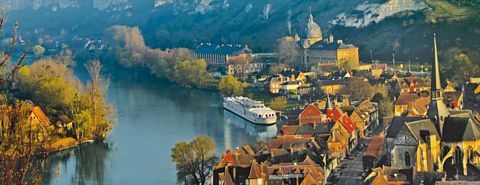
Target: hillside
378, 25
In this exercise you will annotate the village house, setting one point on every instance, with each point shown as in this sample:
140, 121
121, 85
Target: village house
331, 87
414, 104
273, 85
412, 84
40, 124
273, 165
365, 116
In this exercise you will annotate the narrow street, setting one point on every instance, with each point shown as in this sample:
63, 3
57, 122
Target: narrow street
352, 173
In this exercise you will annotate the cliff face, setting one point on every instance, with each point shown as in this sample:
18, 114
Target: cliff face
368, 13
54, 5
258, 23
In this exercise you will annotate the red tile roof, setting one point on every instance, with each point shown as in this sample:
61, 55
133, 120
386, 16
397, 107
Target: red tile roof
228, 158
347, 123
290, 129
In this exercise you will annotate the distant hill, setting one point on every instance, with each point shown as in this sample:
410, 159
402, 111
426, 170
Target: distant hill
378, 25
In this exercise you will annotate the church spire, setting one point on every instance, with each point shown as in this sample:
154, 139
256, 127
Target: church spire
329, 103
436, 85
437, 110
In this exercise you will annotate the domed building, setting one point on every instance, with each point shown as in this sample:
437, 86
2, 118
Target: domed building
314, 33
316, 52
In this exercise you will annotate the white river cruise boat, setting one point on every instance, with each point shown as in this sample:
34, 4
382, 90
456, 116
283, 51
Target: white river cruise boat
251, 110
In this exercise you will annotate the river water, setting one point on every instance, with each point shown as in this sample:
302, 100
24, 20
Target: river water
152, 117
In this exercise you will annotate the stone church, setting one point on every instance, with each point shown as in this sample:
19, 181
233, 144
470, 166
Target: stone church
444, 139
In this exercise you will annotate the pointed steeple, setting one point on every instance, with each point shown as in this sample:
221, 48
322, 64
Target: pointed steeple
329, 107
437, 110
436, 86
329, 104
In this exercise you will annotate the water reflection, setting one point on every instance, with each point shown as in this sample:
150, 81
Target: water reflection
261, 132
152, 117
88, 165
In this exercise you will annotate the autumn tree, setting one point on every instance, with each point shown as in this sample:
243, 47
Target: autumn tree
240, 67
175, 65
385, 106
194, 160
100, 111
230, 86
49, 83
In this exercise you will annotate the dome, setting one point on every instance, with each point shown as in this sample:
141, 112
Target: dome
313, 30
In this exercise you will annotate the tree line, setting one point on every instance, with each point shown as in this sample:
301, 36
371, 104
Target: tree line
176, 65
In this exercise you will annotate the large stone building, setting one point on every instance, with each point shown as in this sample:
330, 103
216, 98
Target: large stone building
316, 51
442, 140
221, 54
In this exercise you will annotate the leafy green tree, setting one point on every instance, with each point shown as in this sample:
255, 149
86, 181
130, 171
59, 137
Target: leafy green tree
190, 73
230, 86
49, 83
278, 103
194, 160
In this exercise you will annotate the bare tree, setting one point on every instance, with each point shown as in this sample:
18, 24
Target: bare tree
98, 86
289, 52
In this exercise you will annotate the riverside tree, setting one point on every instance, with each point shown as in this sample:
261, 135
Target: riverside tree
176, 65
230, 86
194, 160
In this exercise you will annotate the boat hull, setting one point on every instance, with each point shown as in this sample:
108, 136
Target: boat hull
242, 114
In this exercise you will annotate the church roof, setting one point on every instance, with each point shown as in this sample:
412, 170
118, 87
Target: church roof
462, 128
422, 128
398, 123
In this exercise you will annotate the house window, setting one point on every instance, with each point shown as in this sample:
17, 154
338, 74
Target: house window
407, 159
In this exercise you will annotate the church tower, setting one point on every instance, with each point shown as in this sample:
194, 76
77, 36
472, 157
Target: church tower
437, 111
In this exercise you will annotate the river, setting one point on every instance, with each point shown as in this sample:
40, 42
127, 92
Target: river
152, 117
